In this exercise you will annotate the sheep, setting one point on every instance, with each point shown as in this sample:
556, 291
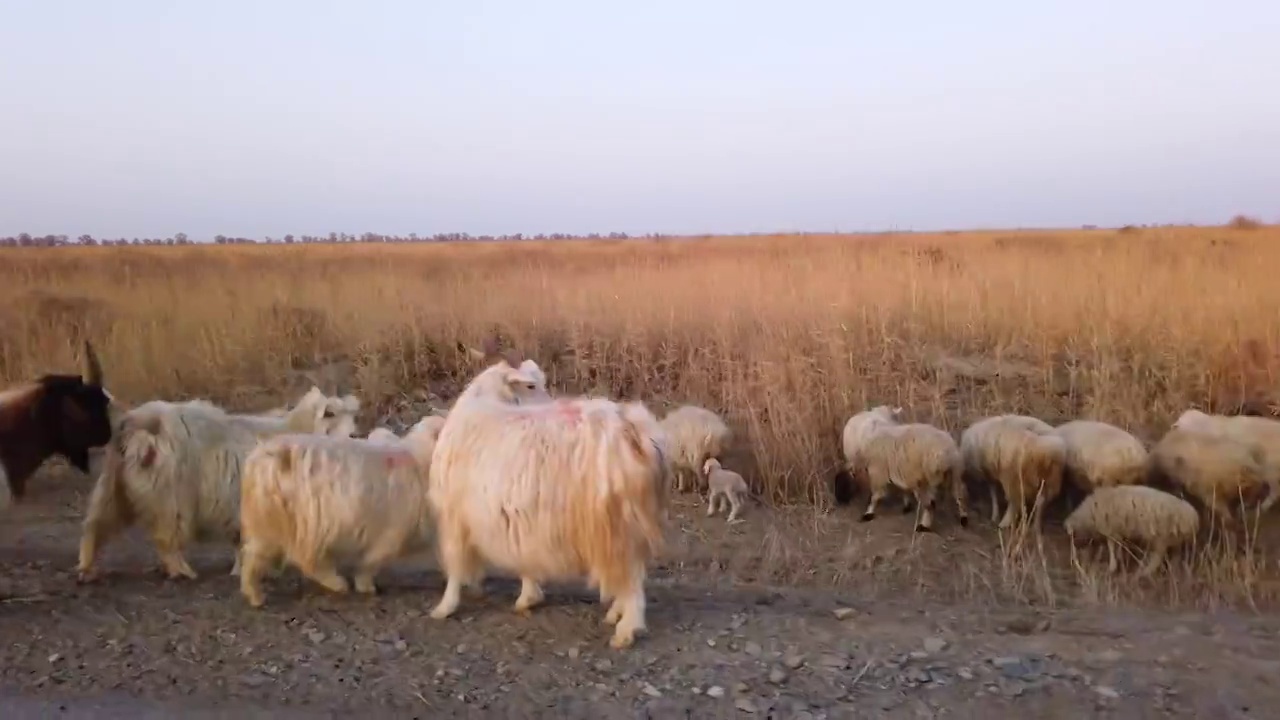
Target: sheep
63, 415
175, 469
1134, 513
694, 434
856, 430
1210, 468
726, 487
313, 500
1101, 455
548, 491
1262, 435
1019, 454
917, 458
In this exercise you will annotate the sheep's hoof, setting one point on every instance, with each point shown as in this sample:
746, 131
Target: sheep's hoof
623, 639
964, 521
86, 576
867, 516
923, 528
256, 600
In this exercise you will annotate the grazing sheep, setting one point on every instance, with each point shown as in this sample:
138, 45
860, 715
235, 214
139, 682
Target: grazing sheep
1262, 435
315, 500
1210, 468
844, 485
63, 415
919, 459
694, 435
549, 491
175, 469
1137, 514
1101, 455
726, 487
1019, 454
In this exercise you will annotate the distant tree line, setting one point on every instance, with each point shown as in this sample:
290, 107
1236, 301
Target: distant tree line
29, 240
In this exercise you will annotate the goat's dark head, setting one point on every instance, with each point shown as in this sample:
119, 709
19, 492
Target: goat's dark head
73, 411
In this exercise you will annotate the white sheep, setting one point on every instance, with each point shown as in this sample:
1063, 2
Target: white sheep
1211, 468
1138, 514
1262, 435
918, 459
316, 501
726, 489
1021, 456
175, 469
549, 491
694, 434
1102, 455
856, 430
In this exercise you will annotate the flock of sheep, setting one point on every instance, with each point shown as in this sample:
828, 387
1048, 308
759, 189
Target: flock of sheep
1213, 459
558, 488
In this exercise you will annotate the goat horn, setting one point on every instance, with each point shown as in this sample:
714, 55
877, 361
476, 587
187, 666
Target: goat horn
92, 366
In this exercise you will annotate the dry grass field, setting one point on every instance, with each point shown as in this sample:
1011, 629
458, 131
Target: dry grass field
785, 336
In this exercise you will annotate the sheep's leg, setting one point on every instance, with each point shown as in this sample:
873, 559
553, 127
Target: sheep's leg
254, 562
961, 495
1155, 558
1113, 564
531, 595
325, 574
995, 503
460, 566
171, 558
927, 505
1273, 494
735, 504
682, 474
876, 496
1013, 510
614, 613
713, 503
628, 592
908, 503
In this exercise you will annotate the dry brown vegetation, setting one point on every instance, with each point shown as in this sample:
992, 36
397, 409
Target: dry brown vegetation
785, 336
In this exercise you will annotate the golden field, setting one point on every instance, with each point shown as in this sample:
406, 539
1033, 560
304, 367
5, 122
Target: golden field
785, 336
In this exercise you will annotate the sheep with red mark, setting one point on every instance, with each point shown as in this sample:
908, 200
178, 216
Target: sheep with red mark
318, 502
694, 435
549, 491
175, 469
64, 415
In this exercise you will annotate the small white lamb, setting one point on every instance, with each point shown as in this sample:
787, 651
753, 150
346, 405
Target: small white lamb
726, 488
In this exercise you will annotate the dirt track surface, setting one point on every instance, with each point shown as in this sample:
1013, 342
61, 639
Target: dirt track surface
136, 646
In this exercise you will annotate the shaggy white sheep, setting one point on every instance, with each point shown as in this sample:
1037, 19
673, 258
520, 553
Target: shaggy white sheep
550, 491
175, 469
694, 434
1021, 456
1216, 470
726, 488
920, 460
1262, 435
1102, 455
856, 431
1137, 514
316, 501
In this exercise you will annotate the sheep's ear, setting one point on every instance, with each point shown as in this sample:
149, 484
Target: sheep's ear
93, 368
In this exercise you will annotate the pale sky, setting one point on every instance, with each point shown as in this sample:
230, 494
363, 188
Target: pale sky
146, 118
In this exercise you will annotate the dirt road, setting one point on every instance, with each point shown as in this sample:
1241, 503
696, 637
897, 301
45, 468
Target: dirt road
136, 646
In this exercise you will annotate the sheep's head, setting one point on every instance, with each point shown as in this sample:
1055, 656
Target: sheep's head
1191, 420
523, 385
710, 466
328, 415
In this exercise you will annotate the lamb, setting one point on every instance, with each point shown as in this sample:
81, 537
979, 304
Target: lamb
548, 491
175, 469
1211, 468
856, 431
314, 500
919, 459
727, 488
1019, 454
1138, 514
1101, 455
694, 434
1262, 435
63, 415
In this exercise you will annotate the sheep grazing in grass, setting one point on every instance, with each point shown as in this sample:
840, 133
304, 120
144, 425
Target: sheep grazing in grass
1021, 456
726, 489
856, 431
547, 491
694, 435
1101, 455
918, 459
175, 469
317, 501
63, 415
1138, 514
1216, 470
1261, 435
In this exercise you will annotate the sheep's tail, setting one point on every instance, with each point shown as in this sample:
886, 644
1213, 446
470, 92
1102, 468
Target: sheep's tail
642, 482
